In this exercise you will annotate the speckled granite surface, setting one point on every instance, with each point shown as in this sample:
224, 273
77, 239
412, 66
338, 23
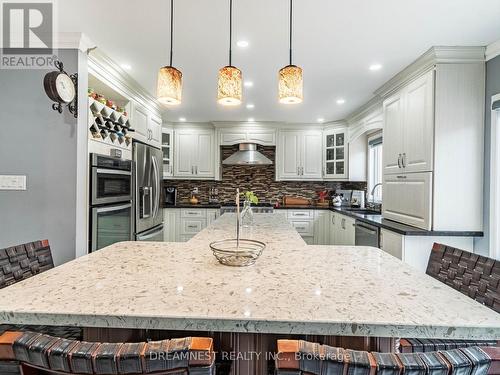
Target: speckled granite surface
293, 288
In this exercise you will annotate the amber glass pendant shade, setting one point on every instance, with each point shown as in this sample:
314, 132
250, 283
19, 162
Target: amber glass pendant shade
290, 85
169, 88
230, 86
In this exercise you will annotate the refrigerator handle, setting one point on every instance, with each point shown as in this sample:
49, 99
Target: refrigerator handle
155, 188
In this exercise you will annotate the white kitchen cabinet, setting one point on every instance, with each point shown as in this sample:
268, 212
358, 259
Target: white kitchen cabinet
335, 154
299, 155
409, 128
392, 243
343, 230
288, 151
166, 147
155, 130
418, 131
322, 227
147, 126
139, 120
264, 137
212, 215
408, 198
393, 133
194, 153
171, 219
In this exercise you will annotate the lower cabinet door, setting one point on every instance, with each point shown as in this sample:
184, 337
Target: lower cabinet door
408, 199
349, 232
392, 243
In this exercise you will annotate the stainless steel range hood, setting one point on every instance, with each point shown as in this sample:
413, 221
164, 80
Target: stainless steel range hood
247, 155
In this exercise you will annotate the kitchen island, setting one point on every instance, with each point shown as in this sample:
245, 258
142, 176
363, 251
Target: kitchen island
293, 289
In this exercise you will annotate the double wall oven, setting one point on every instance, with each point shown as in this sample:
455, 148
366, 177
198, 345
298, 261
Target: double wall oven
111, 193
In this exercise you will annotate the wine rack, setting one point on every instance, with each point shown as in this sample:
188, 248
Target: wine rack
109, 126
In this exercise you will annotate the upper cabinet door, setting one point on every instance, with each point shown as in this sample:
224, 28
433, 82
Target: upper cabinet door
335, 154
289, 150
393, 133
167, 149
140, 123
155, 125
204, 163
311, 156
185, 143
418, 138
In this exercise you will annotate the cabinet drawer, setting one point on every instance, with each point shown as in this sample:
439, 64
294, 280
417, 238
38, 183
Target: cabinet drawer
300, 214
192, 226
408, 199
189, 213
304, 227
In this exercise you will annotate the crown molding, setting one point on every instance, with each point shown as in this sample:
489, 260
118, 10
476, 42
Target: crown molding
108, 71
368, 110
427, 62
493, 50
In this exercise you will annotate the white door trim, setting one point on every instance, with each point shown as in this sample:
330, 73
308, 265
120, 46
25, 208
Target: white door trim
495, 182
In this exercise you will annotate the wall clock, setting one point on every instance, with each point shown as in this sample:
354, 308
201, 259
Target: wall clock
62, 89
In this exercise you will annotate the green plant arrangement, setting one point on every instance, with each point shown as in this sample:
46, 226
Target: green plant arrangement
251, 197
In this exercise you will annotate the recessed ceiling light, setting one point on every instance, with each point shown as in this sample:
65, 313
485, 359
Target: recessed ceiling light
182, 119
126, 66
320, 119
248, 84
250, 106
251, 119
340, 101
242, 43
375, 67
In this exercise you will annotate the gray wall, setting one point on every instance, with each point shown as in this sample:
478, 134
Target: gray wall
492, 88
40, 143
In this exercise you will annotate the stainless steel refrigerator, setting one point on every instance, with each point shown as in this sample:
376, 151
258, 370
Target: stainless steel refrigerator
147, 181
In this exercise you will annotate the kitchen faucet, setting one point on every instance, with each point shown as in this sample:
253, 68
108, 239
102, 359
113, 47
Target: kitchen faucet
372, 202
373, 190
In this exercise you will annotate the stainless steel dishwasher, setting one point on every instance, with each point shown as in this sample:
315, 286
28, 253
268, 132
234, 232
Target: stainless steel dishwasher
367, 234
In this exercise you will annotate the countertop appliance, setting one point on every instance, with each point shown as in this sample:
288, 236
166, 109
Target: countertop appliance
147, 190
111, 209
358, 198
170, 195
366, 234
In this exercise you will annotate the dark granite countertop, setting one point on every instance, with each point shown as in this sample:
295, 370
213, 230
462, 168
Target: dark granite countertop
189, 205
376, 220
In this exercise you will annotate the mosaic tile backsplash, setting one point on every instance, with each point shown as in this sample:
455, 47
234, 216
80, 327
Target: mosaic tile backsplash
259, 179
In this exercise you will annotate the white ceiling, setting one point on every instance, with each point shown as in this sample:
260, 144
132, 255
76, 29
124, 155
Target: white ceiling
335, 41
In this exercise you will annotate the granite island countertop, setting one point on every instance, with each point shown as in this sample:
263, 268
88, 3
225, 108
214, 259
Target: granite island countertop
292, 289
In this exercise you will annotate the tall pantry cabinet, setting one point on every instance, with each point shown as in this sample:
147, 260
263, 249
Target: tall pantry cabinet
433, 141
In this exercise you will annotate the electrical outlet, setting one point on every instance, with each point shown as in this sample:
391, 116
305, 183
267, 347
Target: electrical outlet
195, 190
9, 182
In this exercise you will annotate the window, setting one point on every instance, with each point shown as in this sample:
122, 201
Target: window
375, 167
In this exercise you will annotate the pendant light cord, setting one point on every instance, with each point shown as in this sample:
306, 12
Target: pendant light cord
171, 29
230, 31
291, 21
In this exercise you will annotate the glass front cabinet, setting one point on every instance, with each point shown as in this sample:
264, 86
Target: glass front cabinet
336, 153
166, 148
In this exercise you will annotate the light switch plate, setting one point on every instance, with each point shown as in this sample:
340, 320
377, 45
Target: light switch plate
9, 182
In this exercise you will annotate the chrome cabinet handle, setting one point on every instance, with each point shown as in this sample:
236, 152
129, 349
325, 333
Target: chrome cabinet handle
403, 160
196, 169
401, 176
399, 161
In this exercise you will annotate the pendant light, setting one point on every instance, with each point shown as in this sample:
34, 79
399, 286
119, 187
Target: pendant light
169, 86
290, 77
230, 77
